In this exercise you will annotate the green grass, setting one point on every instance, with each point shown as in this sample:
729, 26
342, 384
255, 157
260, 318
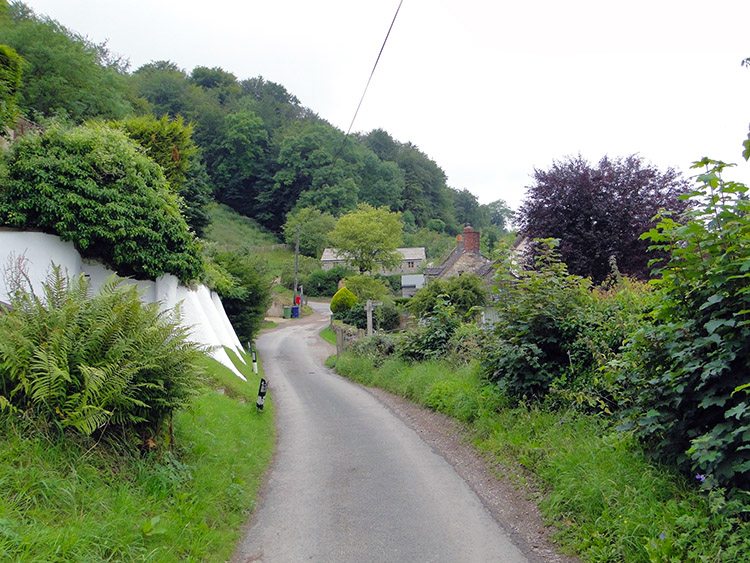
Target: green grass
329, 335
78, 500
229, 228
608, 501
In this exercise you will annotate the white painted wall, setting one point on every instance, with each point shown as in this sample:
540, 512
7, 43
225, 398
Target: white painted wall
201, 309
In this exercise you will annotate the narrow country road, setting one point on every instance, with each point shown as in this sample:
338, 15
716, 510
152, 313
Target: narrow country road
350, 482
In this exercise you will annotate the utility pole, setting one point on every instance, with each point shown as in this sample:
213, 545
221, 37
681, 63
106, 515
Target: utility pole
296, 264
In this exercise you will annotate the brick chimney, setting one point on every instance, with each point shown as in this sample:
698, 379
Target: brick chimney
471, 239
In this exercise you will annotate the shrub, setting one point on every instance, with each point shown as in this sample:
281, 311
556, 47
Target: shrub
325, 283
108, 363
464, 292
247, 295
541, 314
432, 338
342, 301
687, 370
93, 186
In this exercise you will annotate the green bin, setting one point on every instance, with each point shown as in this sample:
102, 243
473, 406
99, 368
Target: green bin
287, 312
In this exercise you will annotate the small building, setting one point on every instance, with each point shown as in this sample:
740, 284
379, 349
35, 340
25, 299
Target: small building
410, 283
465, 258
412, 260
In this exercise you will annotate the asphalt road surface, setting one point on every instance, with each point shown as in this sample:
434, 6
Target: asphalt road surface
350, 482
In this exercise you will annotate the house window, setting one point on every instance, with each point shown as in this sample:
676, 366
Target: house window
410, 264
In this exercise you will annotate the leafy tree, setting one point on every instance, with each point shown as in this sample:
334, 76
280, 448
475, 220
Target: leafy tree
222, 83
436, 245
196, 195
468, 211
382, 144
313, 160
382, 182
93, 186
332, 199
305, 266
314, 233
599, 213
169, 142
239, 160
271, 102
426, 193
10, 82
64, 72
500, 215
369, 237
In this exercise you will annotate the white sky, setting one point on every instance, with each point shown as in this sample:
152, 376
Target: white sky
489, 90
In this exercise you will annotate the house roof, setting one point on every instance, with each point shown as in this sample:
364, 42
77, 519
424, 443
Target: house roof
411, 253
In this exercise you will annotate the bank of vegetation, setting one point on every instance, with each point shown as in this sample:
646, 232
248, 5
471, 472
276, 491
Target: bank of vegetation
626, 402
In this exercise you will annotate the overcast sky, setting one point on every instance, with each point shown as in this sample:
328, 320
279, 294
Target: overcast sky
489, 90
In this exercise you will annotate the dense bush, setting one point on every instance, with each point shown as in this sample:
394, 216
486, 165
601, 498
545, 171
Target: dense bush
342, 301
384, 317
325, 283
541, 313
108, 363
431, 340
244, 286
687, 370
555, 333
464, 292
93, 186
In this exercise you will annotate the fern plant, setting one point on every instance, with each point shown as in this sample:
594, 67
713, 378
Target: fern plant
105, 363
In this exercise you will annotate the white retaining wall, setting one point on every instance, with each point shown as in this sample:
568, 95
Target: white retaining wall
200, 308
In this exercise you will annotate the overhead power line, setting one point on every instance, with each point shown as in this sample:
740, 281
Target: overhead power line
372, 72
387, 35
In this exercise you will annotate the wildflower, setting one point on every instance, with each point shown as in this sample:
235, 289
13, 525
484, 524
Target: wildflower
700, 477
662, 536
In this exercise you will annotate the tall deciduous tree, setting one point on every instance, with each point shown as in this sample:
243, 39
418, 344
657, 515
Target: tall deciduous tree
63, 72
315, 228
598, 213
369, 237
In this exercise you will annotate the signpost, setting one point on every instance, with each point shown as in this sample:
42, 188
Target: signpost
261, 394
368, 308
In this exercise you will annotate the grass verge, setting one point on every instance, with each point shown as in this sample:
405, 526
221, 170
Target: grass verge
607, 500
76, 500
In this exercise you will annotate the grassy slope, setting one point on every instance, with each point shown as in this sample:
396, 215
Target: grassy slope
76, 500
609, 502
241, 234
